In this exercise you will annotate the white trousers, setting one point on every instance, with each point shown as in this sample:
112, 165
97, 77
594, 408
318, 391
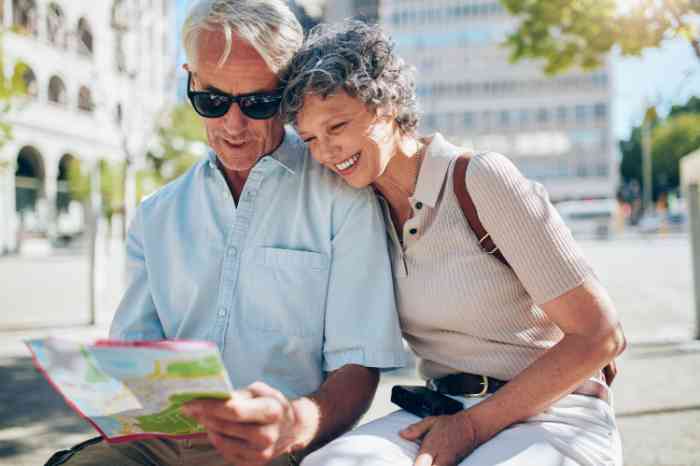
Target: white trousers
577, 430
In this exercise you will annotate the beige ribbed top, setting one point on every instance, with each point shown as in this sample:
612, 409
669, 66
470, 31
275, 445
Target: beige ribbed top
460, 308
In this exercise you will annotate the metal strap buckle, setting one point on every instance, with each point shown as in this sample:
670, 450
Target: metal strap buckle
483, 392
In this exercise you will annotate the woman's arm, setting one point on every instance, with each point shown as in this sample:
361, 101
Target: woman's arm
592, 338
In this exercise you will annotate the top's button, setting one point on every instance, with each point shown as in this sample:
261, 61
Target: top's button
413, 231
419, 205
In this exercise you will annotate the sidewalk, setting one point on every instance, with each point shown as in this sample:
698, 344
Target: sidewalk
657, 402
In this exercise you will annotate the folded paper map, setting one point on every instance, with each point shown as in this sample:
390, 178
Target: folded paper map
133, 390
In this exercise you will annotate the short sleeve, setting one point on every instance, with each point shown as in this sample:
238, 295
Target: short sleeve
361, 321
526, 227
136, 317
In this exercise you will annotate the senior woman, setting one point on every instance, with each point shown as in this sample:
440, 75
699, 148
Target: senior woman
535, 330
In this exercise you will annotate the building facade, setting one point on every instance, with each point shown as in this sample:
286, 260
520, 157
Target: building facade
98, 74
367, 10
557, 130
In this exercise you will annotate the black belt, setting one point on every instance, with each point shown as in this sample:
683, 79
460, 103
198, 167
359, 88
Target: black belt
475, 386
463, 384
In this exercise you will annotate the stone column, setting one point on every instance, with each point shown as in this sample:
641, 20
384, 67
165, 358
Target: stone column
50, 191
7, 22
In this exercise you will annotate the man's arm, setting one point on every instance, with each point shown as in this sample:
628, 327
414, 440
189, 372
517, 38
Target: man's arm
259, 423
136, 317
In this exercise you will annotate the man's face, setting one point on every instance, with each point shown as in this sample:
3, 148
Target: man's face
238, 140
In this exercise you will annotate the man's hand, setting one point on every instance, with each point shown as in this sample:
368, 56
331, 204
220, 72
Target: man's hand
446, 440
253, 427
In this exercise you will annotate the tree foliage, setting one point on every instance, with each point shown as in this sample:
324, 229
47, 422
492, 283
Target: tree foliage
12, 86
569, 33
181, 141
672, 138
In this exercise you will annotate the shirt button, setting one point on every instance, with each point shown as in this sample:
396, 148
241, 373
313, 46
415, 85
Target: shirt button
413, 231
252, 194
232, 252
222, 312
419, 205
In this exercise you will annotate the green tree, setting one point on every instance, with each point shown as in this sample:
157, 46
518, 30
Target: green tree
12, 86
568, 33
677, 137
180, 141
672, 138
111, 192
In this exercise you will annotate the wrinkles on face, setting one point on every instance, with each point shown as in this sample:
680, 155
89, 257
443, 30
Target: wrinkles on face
238, 140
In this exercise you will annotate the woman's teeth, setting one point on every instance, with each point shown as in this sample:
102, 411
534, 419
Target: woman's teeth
348, 163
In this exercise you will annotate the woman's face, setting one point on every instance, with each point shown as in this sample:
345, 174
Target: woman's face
347, 137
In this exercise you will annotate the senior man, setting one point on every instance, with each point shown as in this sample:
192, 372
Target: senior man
262, 251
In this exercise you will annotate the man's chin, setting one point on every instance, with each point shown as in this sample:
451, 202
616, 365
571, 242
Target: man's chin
237, 163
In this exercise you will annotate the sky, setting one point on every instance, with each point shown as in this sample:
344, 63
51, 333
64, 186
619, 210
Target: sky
661, 77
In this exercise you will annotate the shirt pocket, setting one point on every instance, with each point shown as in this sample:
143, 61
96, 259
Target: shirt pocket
288, 290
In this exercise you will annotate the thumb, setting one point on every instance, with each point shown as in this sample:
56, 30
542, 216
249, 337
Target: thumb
419, 429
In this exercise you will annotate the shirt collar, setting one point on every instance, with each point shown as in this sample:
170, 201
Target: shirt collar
287, 155
433, 170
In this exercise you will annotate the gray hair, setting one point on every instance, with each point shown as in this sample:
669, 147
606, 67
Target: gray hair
357, 58
269, 26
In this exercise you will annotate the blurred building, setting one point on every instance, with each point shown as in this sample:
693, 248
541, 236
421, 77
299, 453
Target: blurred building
557, 130
337, 10
98, 74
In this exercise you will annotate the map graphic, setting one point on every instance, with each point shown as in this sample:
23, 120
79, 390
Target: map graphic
132, 390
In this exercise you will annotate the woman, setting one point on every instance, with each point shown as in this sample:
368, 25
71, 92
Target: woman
543, 324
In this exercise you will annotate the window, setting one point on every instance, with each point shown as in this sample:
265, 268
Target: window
468, 120
118, 115
56, 26
600, 111
85, 101
25, 16
30, 83
581, 113
85, 45
562, 114
57, 91
504, 118
524, 117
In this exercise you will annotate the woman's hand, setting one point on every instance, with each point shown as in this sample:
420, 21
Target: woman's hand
446, 440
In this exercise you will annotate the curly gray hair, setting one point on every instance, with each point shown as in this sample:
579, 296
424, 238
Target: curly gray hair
357, 58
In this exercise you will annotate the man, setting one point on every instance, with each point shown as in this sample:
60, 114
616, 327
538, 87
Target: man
265, 253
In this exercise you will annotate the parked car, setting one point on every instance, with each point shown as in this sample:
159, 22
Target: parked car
589, 218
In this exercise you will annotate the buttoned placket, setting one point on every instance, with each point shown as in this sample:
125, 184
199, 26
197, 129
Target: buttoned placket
235, 242
397, 247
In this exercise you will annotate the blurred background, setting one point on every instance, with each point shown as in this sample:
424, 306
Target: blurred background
599, 100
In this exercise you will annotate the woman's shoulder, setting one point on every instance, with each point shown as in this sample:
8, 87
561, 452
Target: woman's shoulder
492, 170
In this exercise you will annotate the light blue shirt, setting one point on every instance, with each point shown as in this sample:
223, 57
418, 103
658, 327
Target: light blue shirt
292, 282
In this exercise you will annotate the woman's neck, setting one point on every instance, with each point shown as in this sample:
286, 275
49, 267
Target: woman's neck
398, 182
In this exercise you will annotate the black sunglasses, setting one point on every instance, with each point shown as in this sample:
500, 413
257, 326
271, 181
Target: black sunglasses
256, 105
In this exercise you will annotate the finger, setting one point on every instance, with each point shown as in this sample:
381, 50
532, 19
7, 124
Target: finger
256, 436
262, 410
194, 407
261, 389
419, 429
424, 459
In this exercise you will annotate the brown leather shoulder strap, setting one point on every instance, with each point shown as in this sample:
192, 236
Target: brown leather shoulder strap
469, 209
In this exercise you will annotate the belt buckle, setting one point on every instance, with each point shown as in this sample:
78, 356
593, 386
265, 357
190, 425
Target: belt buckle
483, 392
